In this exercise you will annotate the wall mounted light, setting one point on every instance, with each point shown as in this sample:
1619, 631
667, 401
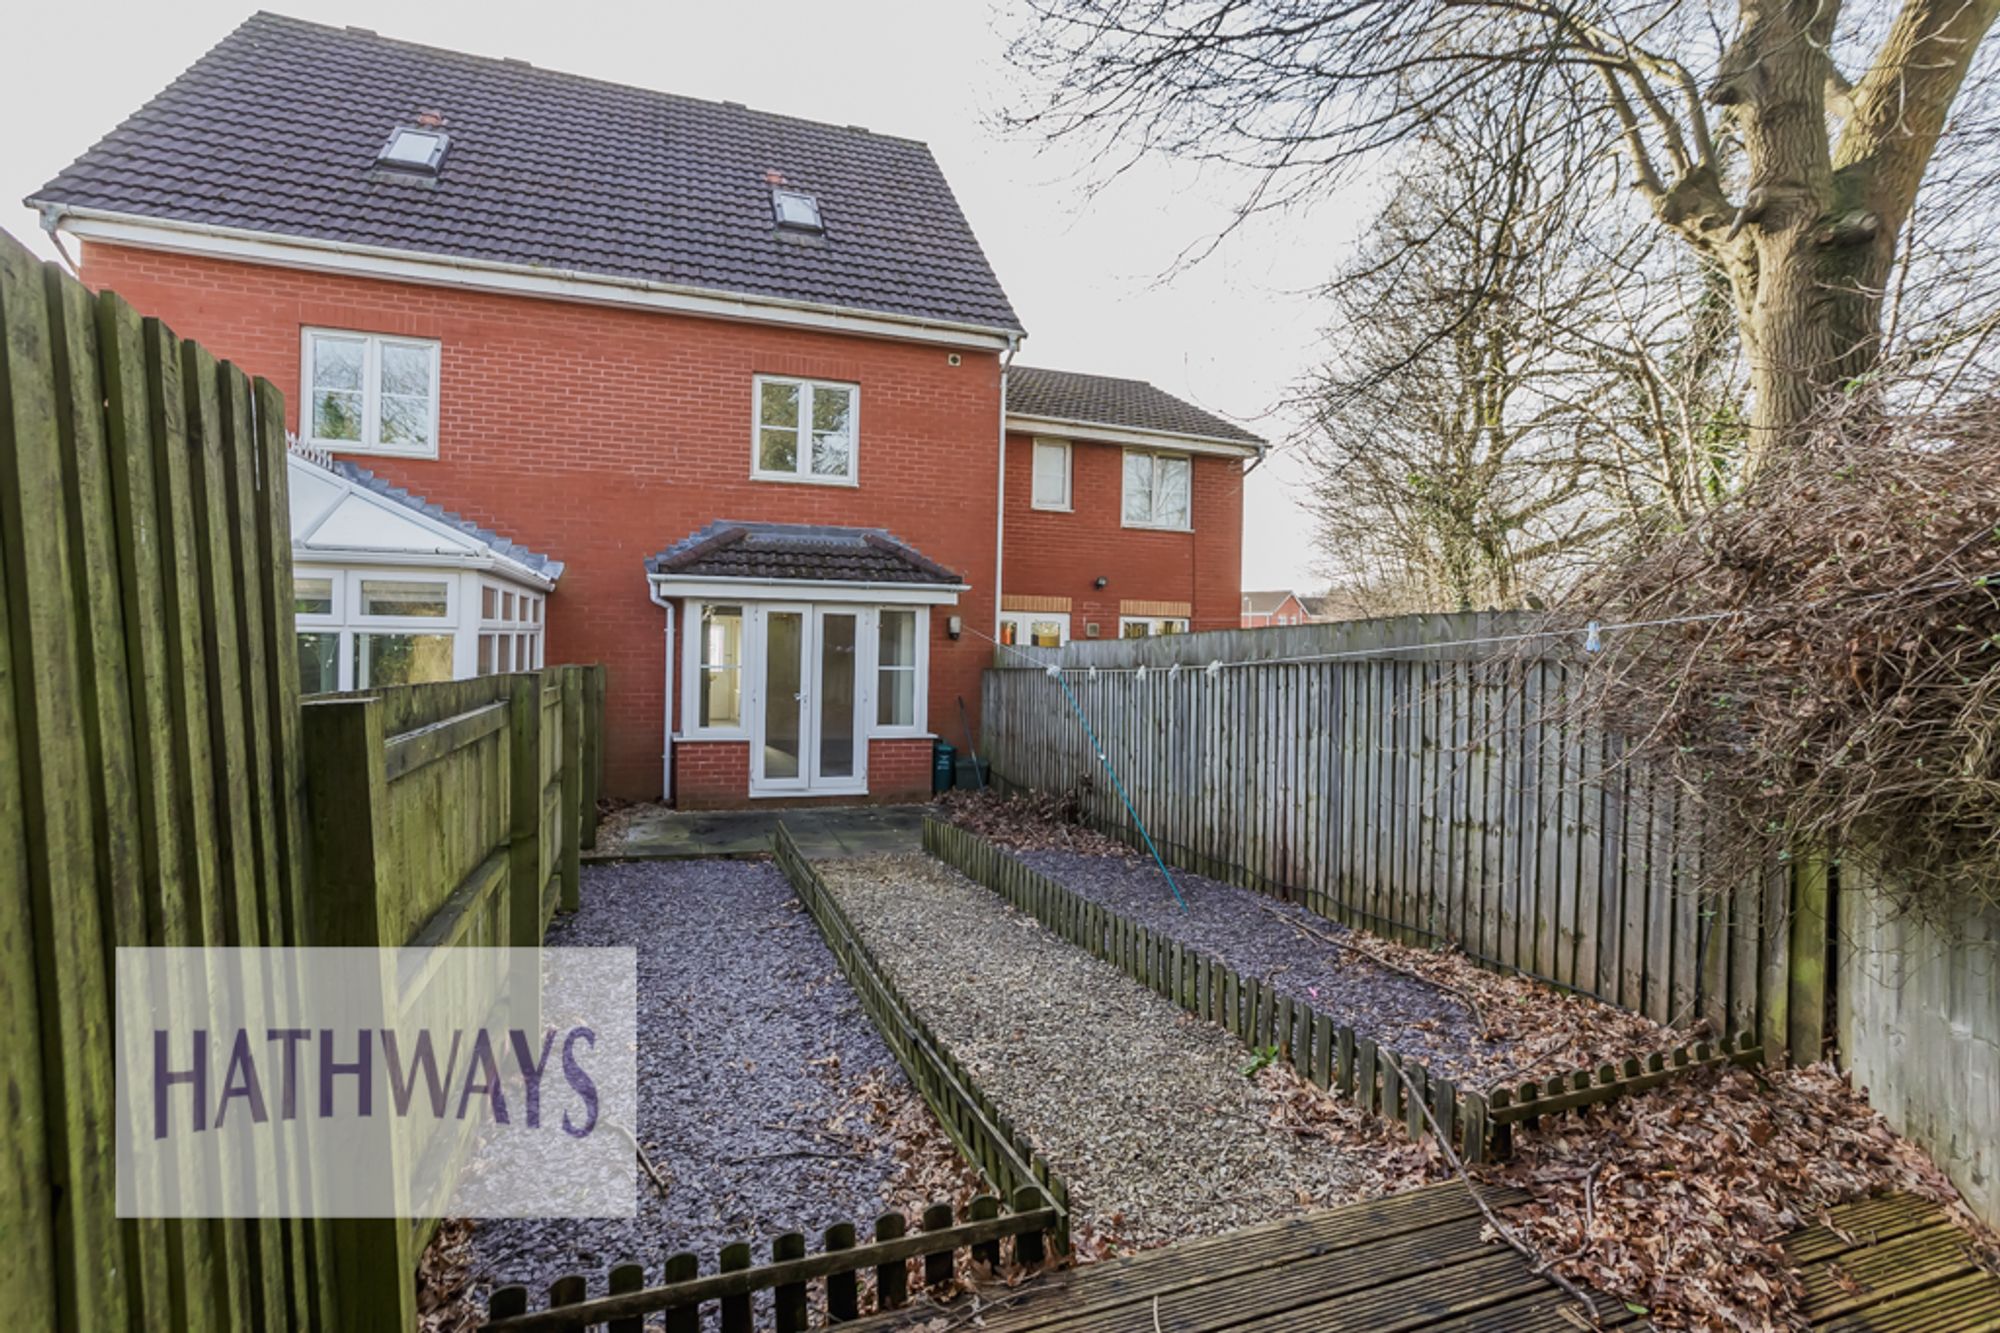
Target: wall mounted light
954, 626
1101, 580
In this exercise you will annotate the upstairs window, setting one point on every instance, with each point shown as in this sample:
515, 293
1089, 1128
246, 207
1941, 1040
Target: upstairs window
367, 394
1156, 490
806, 431
1051, 489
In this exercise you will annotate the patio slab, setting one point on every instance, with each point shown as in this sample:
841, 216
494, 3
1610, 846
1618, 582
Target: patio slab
660, 834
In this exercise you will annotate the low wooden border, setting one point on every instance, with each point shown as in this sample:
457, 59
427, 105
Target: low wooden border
1329, 1054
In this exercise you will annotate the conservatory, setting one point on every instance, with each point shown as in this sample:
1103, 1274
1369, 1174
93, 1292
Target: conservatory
391, 590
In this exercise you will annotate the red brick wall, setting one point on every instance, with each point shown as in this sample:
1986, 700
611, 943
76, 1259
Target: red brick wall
715, 775
1051, 554
601, 435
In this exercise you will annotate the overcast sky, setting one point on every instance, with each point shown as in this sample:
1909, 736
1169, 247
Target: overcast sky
1087, 272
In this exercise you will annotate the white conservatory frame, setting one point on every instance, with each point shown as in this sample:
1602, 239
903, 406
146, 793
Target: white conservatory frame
345, 532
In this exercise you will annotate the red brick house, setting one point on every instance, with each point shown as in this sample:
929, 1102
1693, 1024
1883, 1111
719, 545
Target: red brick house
744, 381
1261, 610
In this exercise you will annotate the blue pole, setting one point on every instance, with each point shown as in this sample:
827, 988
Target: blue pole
1105, 760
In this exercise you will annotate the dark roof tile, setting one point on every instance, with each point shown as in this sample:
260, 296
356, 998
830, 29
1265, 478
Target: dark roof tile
1100, 400
732, 550
277, 129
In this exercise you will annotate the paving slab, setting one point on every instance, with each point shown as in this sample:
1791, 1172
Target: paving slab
657, 833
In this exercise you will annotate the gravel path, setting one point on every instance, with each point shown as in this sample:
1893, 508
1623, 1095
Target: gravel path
754, 1061
1236, 926
1247, 931
1142, 1109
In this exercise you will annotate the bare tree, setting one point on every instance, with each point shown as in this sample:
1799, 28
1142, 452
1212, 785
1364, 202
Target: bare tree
1450, 438
1793, 179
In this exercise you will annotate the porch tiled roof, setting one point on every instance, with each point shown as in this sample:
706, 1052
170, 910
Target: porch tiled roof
277, 130
1100, 400
800, 551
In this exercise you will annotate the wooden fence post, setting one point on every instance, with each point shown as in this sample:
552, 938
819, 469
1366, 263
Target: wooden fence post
347, 823
1806, 1011
524, 776
574, 755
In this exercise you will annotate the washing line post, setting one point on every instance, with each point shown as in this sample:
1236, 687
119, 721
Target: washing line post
1105, 759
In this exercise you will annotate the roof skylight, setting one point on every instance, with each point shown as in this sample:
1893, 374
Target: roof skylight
414, 150
796, 210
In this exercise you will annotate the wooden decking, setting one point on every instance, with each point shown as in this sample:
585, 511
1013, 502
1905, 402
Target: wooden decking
1416, 1261
1409, 1261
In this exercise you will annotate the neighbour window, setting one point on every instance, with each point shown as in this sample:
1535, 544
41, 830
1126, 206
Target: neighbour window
806, 430
896, 670
1156, 490
720, 686
1051, 489
1032, 630
510, 630
363, 631
1147, 627
370, 394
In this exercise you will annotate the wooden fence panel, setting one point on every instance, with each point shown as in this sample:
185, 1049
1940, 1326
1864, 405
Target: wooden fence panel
1395, 775
154, 783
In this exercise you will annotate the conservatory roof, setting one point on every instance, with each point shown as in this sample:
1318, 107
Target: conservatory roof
343, 513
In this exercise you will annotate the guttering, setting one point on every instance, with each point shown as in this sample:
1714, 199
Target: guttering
1000, 519
414, 559
667, 701
1151, 439
378, 261
807, 590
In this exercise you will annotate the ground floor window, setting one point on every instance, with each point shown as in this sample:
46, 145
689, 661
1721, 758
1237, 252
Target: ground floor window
1034, 629
362, 629
807, 684
1147, 627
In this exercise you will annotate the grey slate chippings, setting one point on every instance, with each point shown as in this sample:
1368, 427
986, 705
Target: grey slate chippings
1142, 1109
750, 1043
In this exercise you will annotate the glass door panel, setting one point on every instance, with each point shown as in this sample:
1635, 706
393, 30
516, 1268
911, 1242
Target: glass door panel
835, 700
781, 757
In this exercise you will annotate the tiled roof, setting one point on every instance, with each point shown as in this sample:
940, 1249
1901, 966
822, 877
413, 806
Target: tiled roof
730, 550
1099, 400
278, 127
534, 560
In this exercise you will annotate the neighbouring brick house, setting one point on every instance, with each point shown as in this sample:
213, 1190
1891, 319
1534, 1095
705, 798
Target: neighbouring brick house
1263, 609
744, 381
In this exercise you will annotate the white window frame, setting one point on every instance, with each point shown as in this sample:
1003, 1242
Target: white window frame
751, 670
347, 621
803, 474
371, 392
1155, 625
920, 701
526, 630
1023, 622
1068, 503
749, 653
1156, 455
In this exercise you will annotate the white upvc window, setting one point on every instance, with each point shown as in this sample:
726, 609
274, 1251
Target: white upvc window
368, 393
369, 628
1051, 489
1148, 627
1156, 490
719, 668
1034, 629
510, 629
805, 430
902, 671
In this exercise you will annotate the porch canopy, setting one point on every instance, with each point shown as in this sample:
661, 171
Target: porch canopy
803, 641
393, 590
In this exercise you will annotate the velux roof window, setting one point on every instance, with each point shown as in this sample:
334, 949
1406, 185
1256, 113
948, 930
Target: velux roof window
796, 210
420, 151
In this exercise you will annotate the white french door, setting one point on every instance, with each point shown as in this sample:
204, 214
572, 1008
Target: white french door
806, 732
